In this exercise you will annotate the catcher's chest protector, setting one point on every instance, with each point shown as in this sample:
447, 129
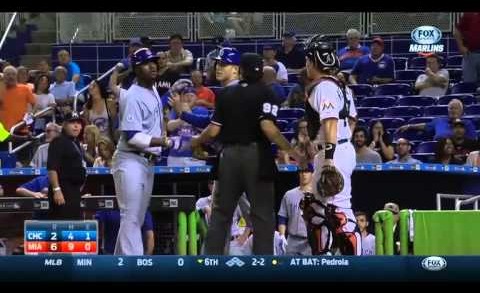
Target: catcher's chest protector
312, 116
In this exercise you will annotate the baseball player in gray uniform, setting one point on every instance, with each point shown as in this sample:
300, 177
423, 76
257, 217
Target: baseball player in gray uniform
140, 143
290, 218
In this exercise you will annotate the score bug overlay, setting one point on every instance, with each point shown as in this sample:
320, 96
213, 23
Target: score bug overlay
61, 237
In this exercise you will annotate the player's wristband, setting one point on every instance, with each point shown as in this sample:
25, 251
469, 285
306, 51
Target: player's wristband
56, 189
329, 150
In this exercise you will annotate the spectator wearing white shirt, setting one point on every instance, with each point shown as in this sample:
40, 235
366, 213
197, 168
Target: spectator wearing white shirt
403, 148
269, 54
179, 59
368, 239
63, 90
40, 157
434, 82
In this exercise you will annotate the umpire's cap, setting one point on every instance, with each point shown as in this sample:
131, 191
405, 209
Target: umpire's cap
229, 55
142, 56
251, 67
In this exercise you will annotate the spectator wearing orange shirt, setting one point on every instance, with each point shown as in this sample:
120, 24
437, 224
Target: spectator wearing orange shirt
205, 96
18, 100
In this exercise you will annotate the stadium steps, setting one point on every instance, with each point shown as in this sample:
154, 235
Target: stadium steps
42, 39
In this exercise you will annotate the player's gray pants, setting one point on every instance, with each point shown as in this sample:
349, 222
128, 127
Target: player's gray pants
239, 172
297, 245
133, 176
471, 67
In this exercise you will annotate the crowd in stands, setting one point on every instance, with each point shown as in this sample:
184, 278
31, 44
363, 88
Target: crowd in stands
392, 126
386, 132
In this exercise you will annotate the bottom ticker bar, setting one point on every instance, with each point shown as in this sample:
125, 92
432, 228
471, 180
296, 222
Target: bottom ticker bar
258, 268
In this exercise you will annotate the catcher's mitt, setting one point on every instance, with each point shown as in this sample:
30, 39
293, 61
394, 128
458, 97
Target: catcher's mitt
331, 182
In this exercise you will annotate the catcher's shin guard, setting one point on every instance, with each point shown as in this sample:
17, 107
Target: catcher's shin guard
326, 228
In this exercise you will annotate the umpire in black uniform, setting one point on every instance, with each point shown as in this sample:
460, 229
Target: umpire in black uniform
66, 171
244, 121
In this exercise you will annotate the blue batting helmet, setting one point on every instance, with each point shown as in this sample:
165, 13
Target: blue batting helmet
142, 56
229, 55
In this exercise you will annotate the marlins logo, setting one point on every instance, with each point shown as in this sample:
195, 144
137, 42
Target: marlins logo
327, 105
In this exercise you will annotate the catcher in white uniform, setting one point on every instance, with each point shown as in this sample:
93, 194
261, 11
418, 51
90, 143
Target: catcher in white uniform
327, 211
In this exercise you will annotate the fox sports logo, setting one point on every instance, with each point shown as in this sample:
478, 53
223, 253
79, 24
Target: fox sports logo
426, 35
434, 263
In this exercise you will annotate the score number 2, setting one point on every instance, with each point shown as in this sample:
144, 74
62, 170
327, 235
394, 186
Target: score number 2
258, 262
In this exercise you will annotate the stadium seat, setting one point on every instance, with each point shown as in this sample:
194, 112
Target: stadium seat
472, 110
455, 74
412, 135
463, 87
407, 74
289, 135
293, 77
426, 147
405, 112
369, 112
215, 89
417, 63
475, 120
421, 101
393, 89
417, 120
466, 99
363, 90
454, 61
424, 157
379, 101
8, 160
388, 123
291, 113
441, 110
400, 63
361, 122
87, 79
282, 125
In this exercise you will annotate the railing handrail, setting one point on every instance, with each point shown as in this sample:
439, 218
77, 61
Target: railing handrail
75, 100
11, 150
37, 114
74, 35
474, 200
4, 37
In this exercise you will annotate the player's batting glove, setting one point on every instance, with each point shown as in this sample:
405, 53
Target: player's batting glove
331, 181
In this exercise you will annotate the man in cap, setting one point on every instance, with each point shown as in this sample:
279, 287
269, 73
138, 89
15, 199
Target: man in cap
374, 68
66, 170
291, 55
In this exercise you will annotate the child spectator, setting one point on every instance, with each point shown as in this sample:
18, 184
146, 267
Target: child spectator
91, 136
106, 148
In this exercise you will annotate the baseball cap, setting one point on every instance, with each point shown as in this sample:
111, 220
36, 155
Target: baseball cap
289, 34
378, 40
73, 116
309, 168
393, 207
135, 42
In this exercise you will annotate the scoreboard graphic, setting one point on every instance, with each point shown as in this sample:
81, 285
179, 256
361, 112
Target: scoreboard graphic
61, 237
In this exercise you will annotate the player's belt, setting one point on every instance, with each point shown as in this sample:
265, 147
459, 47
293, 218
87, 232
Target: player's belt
341, 141
148, 156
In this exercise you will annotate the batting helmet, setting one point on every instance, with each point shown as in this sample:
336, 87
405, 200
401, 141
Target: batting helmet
251, 67
142, 56
229, 55
321, 53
